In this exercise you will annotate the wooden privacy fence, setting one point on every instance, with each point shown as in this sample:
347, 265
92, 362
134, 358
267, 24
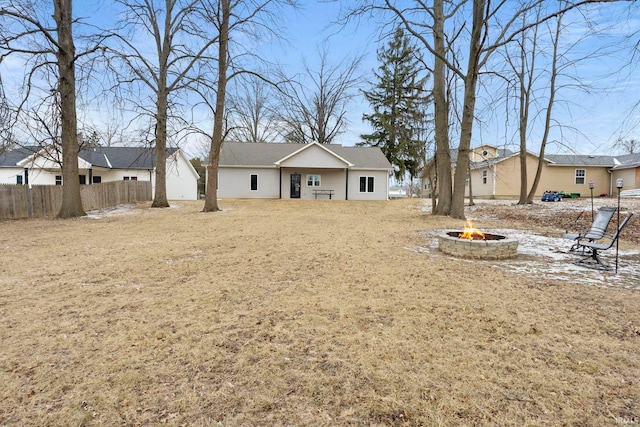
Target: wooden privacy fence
20, 201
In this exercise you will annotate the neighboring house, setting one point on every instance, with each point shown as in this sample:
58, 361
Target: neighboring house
38, 166
302, 171
495, 173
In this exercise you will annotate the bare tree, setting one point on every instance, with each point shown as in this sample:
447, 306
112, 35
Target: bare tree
28, 33
6, 120
493, 25
317, 111
542, 66
177, 33
553, 74
628, 146
223, 16
441, 114
252, 112
231, 17
524, 70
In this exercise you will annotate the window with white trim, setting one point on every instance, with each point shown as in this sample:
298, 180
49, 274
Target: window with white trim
58, 179
366, 184
19, 179
254, 182
485, 176
313, 180
580, 176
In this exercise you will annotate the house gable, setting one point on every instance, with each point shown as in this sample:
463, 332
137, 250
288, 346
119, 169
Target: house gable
483, 152
47, 159
314, 155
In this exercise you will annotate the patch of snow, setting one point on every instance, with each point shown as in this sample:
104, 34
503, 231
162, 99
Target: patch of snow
548, 257
112, 211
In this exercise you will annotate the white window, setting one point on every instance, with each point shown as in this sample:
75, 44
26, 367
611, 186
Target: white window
313, 180
366, 184
254, 182
580, 176
58, 179
485, 176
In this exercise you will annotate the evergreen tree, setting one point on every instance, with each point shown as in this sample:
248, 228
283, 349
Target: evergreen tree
399, 103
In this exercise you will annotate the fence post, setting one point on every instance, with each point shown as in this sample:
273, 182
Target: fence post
28, 197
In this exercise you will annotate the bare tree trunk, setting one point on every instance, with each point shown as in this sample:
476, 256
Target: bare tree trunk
468, 112
471, 202
160, 195
164, 50
211, 199
71, 201
441, 116
524, 119
547, 120
525, 91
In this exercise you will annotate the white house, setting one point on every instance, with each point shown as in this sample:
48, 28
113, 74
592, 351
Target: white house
40, 166
302, 171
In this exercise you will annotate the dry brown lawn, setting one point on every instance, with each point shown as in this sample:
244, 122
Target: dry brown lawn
300, 313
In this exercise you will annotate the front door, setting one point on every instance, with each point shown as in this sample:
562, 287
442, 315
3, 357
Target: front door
295, 186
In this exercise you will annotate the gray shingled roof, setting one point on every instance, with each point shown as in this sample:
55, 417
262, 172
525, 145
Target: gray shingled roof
260, 154
122, 157
10, 158
105, 157
628, 160
580, 160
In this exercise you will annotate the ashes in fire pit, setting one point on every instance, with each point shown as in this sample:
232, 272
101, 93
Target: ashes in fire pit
471, 243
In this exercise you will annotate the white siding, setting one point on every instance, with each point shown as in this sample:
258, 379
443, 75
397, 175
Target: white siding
182, 178
8, 175
236, 183
42, 177
380, 187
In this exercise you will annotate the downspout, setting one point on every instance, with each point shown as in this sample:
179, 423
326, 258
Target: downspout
153, 188
610, 182
280, 186
495, 174
26, 176
346, 189
90, 176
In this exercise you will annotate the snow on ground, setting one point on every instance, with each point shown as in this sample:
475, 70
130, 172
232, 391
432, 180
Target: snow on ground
548, 258
112, 211
119, 210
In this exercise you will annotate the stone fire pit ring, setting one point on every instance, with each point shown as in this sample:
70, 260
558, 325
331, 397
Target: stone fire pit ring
494, 247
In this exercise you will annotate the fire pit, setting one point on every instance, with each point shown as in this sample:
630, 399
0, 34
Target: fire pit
472, 243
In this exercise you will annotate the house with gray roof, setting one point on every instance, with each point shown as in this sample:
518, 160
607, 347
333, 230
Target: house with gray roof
495, 173
41, 166
302, 171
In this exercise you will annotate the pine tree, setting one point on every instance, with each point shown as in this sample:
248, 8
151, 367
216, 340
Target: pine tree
399, 102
